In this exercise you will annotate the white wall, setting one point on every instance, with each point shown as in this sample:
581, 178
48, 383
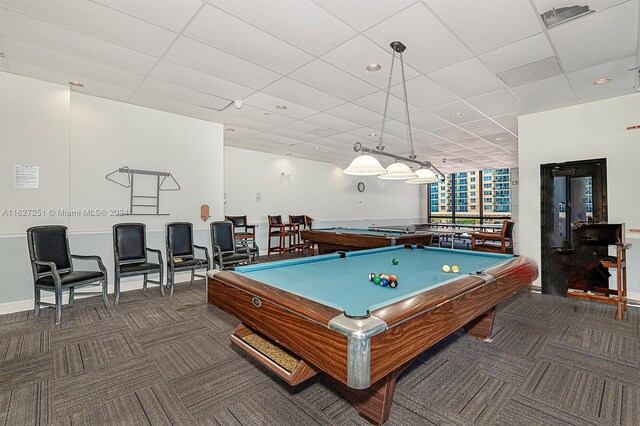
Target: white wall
76, 140
587, 131
319, 190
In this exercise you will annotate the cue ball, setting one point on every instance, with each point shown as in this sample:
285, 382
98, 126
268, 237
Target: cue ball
446, 268
395, 261
455, 269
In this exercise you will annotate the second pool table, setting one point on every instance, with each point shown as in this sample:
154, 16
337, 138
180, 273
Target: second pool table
330, 240
324, 311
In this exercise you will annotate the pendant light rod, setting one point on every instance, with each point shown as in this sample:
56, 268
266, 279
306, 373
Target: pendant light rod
358, 147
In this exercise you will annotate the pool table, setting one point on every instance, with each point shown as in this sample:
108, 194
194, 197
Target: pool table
330, 240
326, 313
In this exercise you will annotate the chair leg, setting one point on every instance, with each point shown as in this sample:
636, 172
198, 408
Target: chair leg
144, 282
160, 276
619, 282
105, 297
36, 302
58, 296
71, 291
116, 289
193, 274
173, 277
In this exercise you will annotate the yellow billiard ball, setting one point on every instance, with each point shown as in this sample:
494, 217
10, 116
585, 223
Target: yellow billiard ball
455, 269
446, 268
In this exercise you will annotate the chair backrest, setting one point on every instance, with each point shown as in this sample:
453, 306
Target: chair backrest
300, 220
130, 242
240, 221
222, 235
49, 243
309, 221
275, 220
507, 229
180, 238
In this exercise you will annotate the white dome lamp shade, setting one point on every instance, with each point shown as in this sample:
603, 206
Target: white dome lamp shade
398, 171
364, 165
424, 176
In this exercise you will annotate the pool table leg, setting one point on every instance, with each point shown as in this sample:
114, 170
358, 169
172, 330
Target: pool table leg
482, 325
374, 403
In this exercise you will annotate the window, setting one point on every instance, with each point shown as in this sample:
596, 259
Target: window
487, 199
487, 192
473, 200
487, 186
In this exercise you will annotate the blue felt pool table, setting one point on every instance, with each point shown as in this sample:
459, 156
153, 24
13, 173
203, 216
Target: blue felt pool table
326, 312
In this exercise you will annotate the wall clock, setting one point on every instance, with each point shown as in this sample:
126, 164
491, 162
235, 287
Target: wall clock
361, 186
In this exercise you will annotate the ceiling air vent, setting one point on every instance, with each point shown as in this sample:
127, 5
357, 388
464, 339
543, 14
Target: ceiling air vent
560, 15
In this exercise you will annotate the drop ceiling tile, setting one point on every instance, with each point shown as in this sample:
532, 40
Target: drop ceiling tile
508, 121
299, 22
476, 144
164, 104
490, 25
302, 94
170, 91
350, 139
209, 60
534, 71
269, 103
37, 32
375, 102
249, 112
196, 80
427, 121
597, 38
520, 53
468, 78
352, 11
283, 140
332, 122
169, 14
545, 94
239, 133
237, 121
346, 148
354, 55
94, 88
310, 128
482, 127
594, 5
98, 21
225, 32
355, 113
496, 103
368, 134
451, 133
446, 113
17, 51
501, 138
292, 134
622, 80
330, 79
393, 127
430, 45
424, 93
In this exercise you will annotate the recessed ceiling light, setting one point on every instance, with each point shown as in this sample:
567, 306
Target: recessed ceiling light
458, 114
373, 134
75, 84
229, 129
266, 113
501, 139
288, 154
373, 67
281, 107
602, 81
316, 147
1, 54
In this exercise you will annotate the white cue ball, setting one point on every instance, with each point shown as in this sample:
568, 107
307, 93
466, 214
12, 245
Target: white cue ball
445, 268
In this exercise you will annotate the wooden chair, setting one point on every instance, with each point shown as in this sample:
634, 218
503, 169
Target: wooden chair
303, 222
282, 231
494, 242
245, 235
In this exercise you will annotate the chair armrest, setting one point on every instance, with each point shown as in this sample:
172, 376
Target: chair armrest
206, 253
98, 259
250, 227
53, 268
158, 252
487, 235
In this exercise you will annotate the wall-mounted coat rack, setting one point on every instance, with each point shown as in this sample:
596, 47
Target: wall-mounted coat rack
135, 200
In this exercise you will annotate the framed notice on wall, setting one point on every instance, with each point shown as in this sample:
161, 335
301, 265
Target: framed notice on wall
26, 176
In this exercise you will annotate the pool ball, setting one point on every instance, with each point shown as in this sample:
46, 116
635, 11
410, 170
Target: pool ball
393, 277
384, 282
393, 283
455, 269
376, 279
395, 261
446, 268
371, 276
384, 276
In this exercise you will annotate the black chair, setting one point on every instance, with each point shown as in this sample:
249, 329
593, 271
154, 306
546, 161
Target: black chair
226, 252
181, 252
130, 255
52, 267
245, 235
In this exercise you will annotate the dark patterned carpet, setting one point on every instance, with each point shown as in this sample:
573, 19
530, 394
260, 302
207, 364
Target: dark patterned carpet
161, 360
